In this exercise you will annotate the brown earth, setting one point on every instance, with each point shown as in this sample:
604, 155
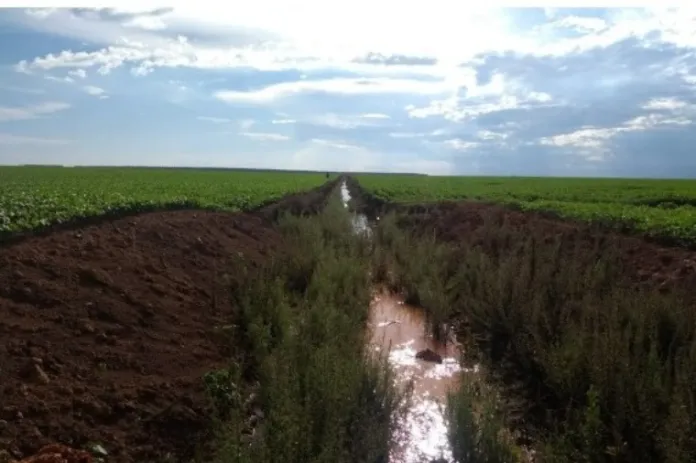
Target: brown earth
107, 329
647, 263
463, 223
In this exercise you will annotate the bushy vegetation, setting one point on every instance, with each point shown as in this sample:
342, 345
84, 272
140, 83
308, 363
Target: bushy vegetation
661, 208
603, 371
306, 388
34, 197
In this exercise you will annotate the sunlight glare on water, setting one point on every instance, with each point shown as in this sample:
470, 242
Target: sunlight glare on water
400, 328
422, 436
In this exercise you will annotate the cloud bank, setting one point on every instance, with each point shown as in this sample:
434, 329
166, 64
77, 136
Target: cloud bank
428, 87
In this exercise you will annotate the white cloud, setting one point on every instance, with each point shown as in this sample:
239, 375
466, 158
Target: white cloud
591, 142
246, 124
489, 78
9, 139
65, 79
79, 73
214, 120
150, 23
458, 108
665, 103
335, 144
461, 145
590, 137
446, 31
407, 134
345, 121
265, 136
40, 13
650, 121
582, 24
490, 135
343, 86
94, 91
9, 113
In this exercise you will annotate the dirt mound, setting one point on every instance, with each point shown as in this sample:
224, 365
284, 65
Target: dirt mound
649, 263
107, 330
302, 204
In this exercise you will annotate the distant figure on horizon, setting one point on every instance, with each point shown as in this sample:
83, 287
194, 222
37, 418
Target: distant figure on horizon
327, 175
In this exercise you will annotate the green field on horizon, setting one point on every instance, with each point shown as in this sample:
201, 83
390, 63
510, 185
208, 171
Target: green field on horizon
657, 207
37, 196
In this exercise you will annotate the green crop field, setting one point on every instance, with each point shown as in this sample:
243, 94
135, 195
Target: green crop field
665, 208
32, 197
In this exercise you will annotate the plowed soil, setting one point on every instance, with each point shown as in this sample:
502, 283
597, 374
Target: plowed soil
107, 330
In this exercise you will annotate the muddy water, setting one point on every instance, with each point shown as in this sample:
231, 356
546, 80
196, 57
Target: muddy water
360, 224
399, 329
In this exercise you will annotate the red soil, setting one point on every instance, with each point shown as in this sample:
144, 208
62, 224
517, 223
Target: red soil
56, 453
464, 223
107, 329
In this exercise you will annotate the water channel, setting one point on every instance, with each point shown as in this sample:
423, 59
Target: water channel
431, 368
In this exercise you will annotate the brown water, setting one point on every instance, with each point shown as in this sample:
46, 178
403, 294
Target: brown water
401, 329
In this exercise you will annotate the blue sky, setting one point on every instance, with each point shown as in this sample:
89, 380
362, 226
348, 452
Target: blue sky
361, 85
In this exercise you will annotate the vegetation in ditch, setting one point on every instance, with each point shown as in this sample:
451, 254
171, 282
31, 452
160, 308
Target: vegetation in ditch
304, 387
417, 268
478, 430
605, 371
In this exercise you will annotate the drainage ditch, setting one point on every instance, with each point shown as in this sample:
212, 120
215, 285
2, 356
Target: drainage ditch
428, 368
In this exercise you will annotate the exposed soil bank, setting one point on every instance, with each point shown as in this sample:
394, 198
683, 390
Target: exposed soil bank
302, 203
465, 224
108, 329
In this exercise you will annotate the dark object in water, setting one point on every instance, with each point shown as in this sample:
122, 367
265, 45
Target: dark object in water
429, 356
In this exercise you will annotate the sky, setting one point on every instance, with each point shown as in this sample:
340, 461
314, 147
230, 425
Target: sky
429, 87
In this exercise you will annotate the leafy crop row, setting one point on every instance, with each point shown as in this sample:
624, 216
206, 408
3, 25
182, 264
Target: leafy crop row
664, 208
32, 197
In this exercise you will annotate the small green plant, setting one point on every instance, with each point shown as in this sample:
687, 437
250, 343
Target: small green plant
221, 386
478, 432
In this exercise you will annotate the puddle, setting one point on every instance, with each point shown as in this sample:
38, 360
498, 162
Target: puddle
400, 328
359, 221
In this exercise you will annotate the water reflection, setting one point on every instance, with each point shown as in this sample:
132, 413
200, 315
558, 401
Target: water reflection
396, 326
359, 221
400, 328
